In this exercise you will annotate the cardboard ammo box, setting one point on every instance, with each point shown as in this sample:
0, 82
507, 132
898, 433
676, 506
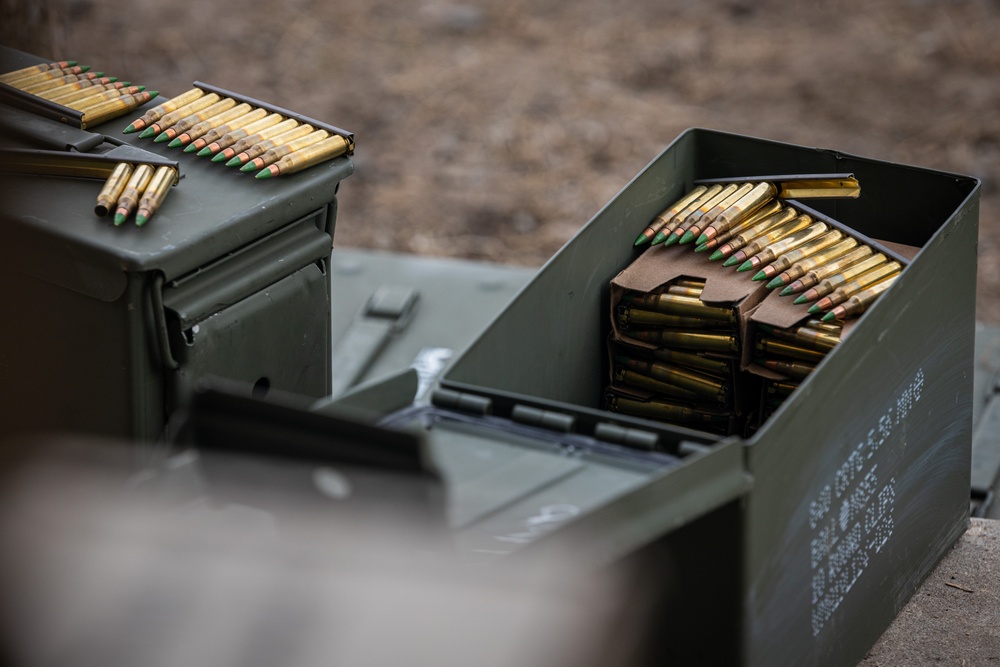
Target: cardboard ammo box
799, 543
108, 328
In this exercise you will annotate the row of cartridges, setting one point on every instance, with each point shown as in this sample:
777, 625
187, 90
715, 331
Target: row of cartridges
240, 134
97, 97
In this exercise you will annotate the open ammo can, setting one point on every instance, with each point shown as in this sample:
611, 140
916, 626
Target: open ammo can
108, 328
800, 543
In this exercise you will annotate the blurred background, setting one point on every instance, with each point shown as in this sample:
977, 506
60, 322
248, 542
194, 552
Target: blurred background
494, 130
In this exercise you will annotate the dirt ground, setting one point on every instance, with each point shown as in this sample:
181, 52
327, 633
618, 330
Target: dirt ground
494, 130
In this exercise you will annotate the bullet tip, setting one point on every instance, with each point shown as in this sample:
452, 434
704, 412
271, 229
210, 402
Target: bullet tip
190, 148
148, 132
119, 219
264, 173
161, 137
703, 239
814, 308
716, 256
671, 240
140, 220
776, 282
248, 167
659, 238
760, 275
686, 238
701, 247
175, 142
801, 299
745, 266
129, 130
642, 239
786, 292
829, 317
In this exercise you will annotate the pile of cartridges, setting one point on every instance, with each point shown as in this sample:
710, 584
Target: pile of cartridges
97, 98
241, 132
687, 377
137, 188
828, 273
792, 353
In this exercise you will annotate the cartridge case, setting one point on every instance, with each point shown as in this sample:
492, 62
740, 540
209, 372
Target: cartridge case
107, 198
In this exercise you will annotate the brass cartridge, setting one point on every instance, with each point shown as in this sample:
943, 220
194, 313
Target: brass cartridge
638, 380
129, 198
703, 386
664, 410
155, 193
113, 188
688, 340
686, 306
796, 370
326, 149
768, 347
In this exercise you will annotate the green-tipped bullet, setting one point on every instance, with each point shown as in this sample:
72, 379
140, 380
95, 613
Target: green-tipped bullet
814, 308
787, 292
204, 152
776, 282
702, 239
161, 137
148, 132
760, 275
175, 142
659, 238
730, 261
686, 238
640, 240
140, 220
248, 167
190, 148
234, 162
701, 248
671, 240
130, 129
745, 266
219, 157
801, 299
264, 173
716, 256
119, 219
829, 317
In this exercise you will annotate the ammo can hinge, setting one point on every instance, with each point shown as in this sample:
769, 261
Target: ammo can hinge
551, 420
